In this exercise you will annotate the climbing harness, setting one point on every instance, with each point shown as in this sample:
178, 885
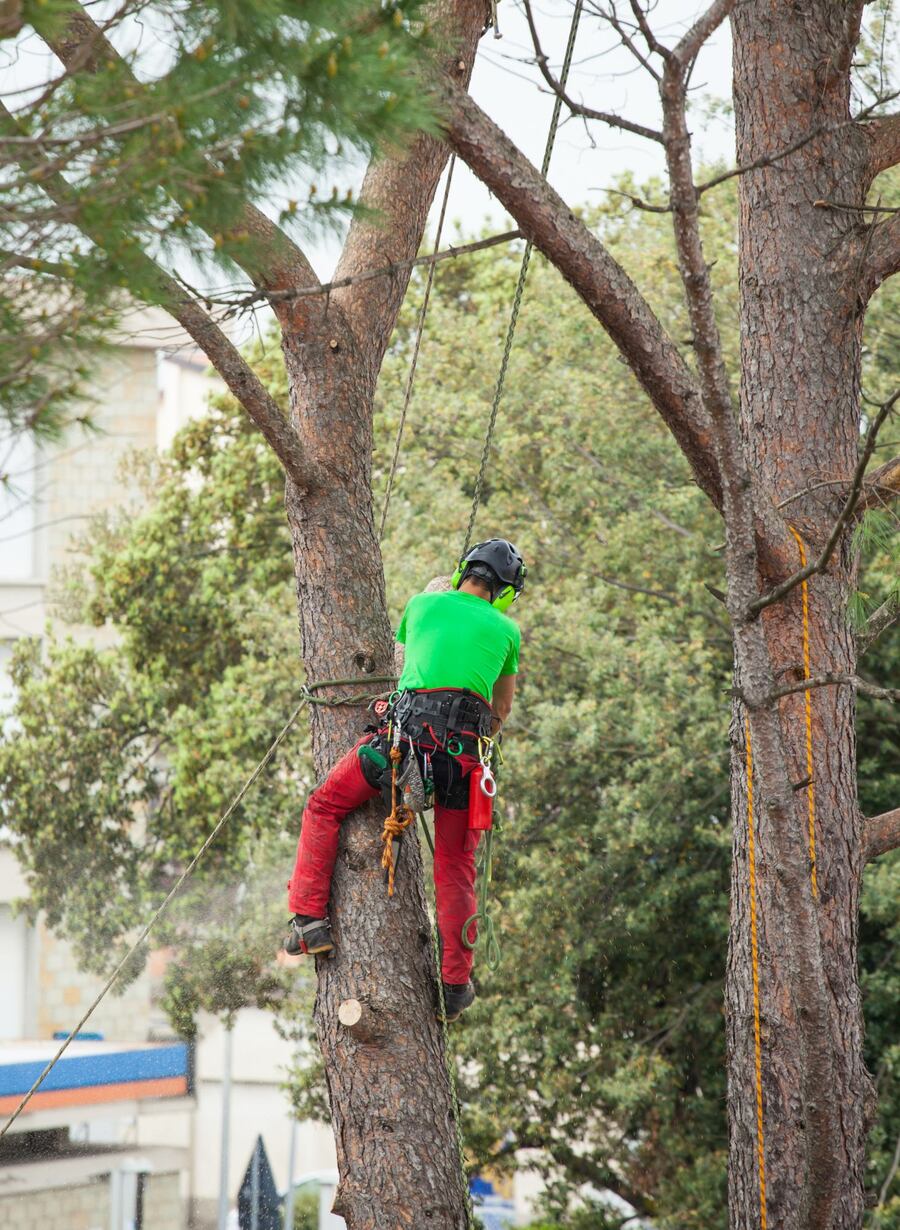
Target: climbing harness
441, 714
441, 717
308, 698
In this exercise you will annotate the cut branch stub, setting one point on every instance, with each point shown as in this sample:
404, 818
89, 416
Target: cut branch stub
361, 1021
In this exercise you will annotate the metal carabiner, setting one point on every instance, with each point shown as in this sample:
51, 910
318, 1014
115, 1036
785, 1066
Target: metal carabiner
488, 782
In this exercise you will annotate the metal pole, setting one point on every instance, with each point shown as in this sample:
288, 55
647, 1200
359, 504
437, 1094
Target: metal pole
289, 1198
226, 1125
254, 1188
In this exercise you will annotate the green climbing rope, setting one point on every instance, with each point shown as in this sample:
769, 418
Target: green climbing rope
487, 932
420, 328
520, 287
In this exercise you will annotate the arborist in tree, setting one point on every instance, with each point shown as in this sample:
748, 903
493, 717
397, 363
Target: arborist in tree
460, 650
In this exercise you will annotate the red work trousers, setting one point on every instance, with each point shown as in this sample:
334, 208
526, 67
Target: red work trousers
455, 843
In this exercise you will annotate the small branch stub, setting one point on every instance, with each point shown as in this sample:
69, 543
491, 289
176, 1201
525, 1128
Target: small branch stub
360, 1021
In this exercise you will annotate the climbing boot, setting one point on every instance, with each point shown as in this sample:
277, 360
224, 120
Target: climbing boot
457, 998
308, 934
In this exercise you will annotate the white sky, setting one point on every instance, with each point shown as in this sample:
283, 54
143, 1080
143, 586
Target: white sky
587, 158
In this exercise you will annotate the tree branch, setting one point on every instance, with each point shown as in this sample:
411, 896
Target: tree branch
245, 302
237, 374
834, 681
399, 192
627, 41
705, 25
649, 37
274, 260
881, 834
598, 279
605, 117
850, 507
877, 623
767, 160
694, 270
883, 254
882, 486
853, 14
883, 135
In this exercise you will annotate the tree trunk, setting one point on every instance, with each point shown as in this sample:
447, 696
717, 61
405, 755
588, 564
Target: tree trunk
389, 1091
801, 1153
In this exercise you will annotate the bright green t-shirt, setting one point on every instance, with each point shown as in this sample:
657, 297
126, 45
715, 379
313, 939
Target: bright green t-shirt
457, 640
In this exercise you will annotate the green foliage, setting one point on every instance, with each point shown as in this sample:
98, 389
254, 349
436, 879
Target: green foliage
599, 1043
120, 759
306, 1211
207, 107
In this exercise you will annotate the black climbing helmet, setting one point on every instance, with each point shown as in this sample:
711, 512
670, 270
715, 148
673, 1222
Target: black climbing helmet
499, 564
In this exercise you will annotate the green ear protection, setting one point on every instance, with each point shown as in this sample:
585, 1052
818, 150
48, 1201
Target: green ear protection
504, 599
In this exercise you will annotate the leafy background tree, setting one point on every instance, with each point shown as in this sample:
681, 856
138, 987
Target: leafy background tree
175, 117
598, 1043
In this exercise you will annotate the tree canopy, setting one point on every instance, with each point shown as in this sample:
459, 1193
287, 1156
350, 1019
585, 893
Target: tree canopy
159, 140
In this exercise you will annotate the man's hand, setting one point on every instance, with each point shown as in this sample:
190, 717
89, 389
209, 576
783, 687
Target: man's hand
502, 699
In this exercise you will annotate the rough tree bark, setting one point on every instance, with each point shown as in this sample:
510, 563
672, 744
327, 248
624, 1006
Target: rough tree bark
802, 307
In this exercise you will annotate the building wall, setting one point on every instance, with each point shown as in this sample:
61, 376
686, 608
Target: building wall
164, 1208
259, 1106
83, 475
86, 1206
81, 1207
65, 991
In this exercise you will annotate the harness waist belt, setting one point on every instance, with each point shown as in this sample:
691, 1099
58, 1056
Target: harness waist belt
442, 713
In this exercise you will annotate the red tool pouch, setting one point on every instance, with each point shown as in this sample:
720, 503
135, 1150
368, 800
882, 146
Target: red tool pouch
482, 789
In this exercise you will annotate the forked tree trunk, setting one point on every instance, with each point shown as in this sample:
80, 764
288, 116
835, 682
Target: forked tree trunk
802, 304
